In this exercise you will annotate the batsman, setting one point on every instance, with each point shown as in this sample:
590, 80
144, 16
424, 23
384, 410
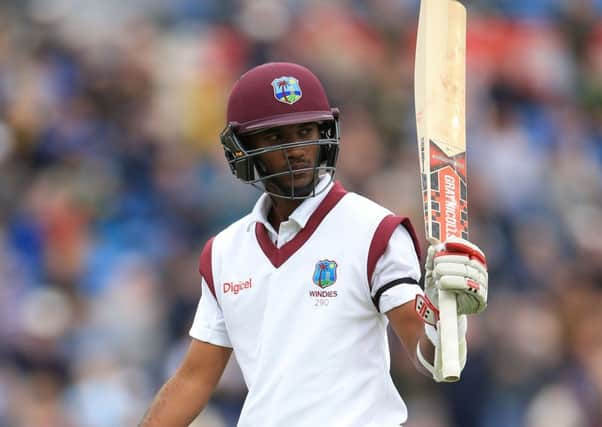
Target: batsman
302, 289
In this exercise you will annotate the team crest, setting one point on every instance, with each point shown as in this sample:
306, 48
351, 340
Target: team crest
287, 89
325, 274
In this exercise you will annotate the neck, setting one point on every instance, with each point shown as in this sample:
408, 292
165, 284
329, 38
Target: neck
281, 209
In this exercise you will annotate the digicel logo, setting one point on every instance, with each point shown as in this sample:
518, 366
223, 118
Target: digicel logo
236, 287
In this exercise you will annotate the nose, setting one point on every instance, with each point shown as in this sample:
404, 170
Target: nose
298, 151
289, 138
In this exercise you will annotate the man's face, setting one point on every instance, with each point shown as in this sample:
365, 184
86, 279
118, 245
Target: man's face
304, 157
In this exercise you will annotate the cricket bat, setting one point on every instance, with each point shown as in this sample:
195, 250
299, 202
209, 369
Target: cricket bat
440, 97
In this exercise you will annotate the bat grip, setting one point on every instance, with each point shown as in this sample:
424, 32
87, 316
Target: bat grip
448, 325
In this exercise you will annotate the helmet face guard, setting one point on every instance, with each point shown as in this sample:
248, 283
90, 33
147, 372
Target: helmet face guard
245, 164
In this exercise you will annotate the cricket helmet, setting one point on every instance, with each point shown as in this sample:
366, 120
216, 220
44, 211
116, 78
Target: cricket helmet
271, 95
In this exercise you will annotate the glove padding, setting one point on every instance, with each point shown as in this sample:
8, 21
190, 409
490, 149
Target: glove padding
459, 266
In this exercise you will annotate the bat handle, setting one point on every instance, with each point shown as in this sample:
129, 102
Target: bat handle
448, 324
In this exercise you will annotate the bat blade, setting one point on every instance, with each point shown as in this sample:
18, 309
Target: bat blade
440, 93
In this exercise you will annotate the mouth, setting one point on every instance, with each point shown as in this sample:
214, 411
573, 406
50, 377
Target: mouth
299, 166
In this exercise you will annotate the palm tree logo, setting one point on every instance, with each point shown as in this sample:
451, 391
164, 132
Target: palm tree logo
287, 89
282, 84
325, 273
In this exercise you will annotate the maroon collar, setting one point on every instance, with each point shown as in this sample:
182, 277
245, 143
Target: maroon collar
278, 256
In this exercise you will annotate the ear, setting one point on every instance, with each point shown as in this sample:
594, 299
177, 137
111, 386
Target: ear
239, 161
325, 129
247, 142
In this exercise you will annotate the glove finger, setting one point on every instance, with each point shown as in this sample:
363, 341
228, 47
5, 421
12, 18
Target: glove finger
455, 244
470, 271
450, 269
461, 284
454, 283
476, 265
477, 275
443, 257
462, 245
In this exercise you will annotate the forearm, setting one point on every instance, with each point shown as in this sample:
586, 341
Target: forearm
177, 403
410, 330
188, 391
415, 337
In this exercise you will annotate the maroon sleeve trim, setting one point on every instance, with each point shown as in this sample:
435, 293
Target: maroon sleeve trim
408, 225
381, 238
205, 266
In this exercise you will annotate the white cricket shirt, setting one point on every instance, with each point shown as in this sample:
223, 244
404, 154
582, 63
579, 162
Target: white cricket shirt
303, 309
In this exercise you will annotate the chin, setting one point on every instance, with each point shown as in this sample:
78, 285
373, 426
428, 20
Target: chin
303, 187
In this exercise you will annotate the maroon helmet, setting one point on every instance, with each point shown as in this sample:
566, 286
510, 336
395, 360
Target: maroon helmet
277, 94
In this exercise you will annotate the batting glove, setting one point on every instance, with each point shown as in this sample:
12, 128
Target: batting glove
458, 266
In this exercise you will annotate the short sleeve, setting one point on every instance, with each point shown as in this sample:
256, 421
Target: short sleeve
209, 325
397, 272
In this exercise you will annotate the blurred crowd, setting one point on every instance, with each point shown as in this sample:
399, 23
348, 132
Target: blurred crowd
112, 178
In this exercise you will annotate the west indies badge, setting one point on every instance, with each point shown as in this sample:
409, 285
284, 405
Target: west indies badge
325, 274
287, 89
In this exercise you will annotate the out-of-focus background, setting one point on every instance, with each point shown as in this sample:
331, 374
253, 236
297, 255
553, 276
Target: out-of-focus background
112, 177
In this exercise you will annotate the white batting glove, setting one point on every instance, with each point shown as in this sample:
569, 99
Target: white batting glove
458, 266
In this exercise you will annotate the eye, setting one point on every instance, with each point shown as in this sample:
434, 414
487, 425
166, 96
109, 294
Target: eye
270, 139
304, 132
